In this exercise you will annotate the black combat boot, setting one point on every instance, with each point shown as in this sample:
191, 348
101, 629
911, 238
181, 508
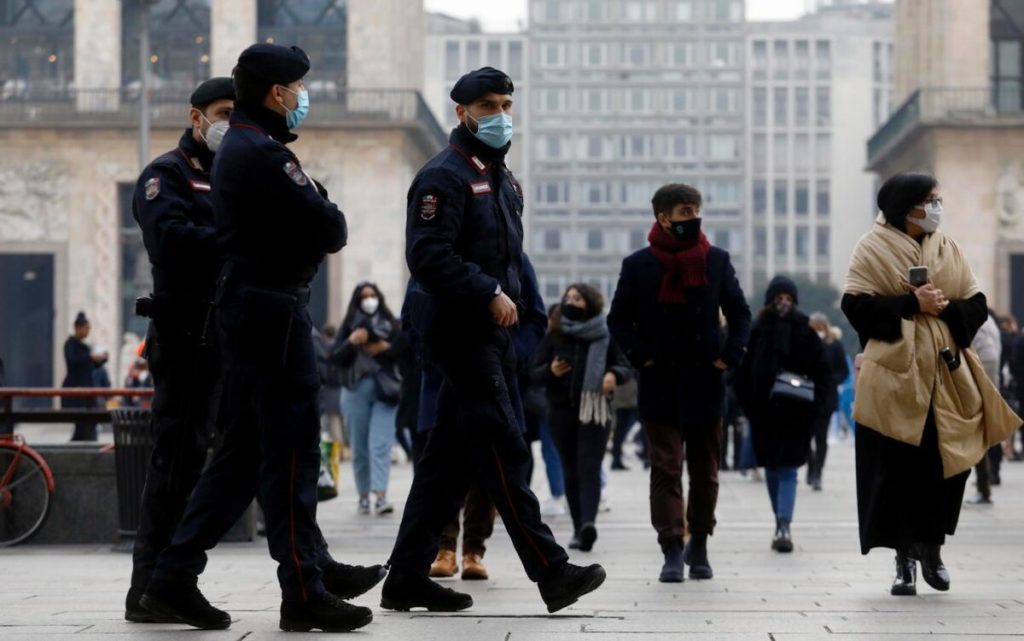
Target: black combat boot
565, 584
673, 571
783, 541
323, 612
404, 591
184, 604
696, 556
906, 575
135, 613
932, 569
349, 581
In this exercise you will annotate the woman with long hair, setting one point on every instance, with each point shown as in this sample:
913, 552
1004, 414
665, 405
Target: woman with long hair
579, 364
367, 350
835, 357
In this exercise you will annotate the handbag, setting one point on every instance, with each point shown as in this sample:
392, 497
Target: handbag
389, 385
792, 387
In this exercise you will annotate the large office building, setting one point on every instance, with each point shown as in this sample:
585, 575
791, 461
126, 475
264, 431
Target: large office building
959, 69
625, 97
69, 126
817, 89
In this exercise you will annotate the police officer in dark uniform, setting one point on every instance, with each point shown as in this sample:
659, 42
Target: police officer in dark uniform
464, 237
274, 227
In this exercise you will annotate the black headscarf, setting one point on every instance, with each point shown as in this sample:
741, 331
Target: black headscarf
901, 194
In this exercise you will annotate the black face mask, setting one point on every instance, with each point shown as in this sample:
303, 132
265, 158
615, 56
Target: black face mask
686, 230
573, 313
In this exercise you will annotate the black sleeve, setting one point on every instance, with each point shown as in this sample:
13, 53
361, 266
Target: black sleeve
435, 208
879, 317
324, 222
77, 357
622, 319
840, 368
743, 379
167, 231
343, 353
737, 316
618, 364
964, 317
825, 385
540, 365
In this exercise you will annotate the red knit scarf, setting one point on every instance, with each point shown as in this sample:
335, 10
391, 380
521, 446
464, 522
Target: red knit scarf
686, 264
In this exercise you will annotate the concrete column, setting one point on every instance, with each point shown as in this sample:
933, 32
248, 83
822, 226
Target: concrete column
97, 53
233, 27
386, 44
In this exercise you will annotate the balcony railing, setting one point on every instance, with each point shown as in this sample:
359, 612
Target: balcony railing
342, 108
949, 107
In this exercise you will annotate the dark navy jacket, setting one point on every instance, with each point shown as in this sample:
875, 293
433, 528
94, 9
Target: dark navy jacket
273, 221
464, 230
673, 346
172, 206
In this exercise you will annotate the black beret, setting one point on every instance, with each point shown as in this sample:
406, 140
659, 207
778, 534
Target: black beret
476, 83
211, 90
274, 63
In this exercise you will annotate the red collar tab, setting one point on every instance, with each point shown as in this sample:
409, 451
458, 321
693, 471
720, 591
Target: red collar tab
480, 166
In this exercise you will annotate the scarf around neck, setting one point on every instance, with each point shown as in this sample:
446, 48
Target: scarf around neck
686, 264
595, 408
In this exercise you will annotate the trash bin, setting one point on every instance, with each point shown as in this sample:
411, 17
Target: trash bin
133, 447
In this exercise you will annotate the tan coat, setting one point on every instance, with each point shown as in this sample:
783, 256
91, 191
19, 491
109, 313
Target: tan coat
899, 382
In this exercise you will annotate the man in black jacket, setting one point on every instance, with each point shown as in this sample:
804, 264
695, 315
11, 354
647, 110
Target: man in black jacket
665, 316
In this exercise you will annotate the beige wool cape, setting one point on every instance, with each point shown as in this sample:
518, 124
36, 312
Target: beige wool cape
900, 381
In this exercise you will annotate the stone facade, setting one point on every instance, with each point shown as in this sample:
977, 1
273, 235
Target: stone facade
385, 44
232, 29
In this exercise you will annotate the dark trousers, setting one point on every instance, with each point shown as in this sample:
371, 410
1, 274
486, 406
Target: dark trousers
270, 449
819, 447
624, 420
85, 432
184, 375
477, 438
478, 514
987, 470
700, 443
581, 449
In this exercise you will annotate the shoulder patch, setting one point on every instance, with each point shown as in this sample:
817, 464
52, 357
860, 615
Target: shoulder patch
296, 174
152, 188
428, 206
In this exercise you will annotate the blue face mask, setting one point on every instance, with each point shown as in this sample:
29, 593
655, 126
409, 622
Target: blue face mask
494, 130
295, 116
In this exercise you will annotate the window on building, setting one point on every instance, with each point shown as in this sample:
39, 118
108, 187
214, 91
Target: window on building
596, 11
802, 241
760, 55
760, 153
515, 59
552, 147
320, 28
722, 54
823, 153
595, 240
724, 147
780, 50
452, 63
760, 242
780, 193
552, 54
641, 11
37, 46
639, 100
725, 101
494, 55
595, 147
593, 55
823, 106
473, 55
721, 238
594, 100
781, 106
552, 240
801, 107
679, 101
801, 152
552, 100
759, 197
682, 145
549, 10
723, 193
680, 53
781, 242
824, 237
802, 58
759, 106
802, 197
637, 55
780, 153
823, 57
552, 192
822, 198
637, 239
683, 10
1006, 74
179, 39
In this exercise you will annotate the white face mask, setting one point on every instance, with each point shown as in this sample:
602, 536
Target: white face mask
821, 335
932, 218
370, 305
215, 134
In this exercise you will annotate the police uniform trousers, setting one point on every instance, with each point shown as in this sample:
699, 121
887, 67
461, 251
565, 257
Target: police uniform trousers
271, 445
477, 438
185, 378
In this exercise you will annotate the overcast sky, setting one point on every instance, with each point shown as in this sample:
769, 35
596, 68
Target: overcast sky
506, 15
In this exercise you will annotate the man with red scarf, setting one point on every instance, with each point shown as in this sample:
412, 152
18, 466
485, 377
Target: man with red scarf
666, 317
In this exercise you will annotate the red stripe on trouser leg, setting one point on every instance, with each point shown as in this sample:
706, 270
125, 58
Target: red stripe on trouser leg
512, 507
291, 527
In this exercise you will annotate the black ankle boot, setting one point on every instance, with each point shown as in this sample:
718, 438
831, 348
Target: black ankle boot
565, 584
906, 575
673, 571
696, 556
350, 581
404, 591
783, 541
932, 569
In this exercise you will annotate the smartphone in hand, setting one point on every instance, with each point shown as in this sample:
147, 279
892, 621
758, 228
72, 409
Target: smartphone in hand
918, 276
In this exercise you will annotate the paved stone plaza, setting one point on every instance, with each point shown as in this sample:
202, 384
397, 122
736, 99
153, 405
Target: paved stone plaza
826, 589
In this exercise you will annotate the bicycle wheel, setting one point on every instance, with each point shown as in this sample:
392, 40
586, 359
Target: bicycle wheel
24, 499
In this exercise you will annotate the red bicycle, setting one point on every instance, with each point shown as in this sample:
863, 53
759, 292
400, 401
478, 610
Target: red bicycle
26, 484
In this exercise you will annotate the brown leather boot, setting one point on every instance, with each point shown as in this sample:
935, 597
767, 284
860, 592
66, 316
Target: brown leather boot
444, 565
473, 568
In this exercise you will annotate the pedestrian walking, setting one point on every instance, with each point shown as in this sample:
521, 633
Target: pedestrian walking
925, 410
987, 344
367, 350
784, 385
624, 406
464, 247
580, 366
331, 420
665, 317
274, 227
81, 363
835, 358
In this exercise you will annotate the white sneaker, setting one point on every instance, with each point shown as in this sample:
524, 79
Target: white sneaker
554, 507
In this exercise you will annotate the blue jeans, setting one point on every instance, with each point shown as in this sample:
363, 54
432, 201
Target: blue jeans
371, 429
782, 491
552, 462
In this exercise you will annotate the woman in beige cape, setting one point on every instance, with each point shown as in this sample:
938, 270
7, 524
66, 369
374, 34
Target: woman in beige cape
925, 411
